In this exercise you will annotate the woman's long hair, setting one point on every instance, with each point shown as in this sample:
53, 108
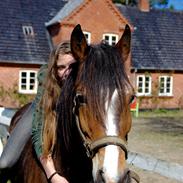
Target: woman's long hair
51, 94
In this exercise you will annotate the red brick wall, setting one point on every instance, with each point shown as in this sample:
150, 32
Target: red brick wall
9, 78
168, 102
96, 17
9, 75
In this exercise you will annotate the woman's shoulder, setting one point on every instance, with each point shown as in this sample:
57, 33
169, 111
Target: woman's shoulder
42, 72
43, 68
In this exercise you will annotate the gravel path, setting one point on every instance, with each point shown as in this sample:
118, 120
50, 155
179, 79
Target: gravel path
162, 139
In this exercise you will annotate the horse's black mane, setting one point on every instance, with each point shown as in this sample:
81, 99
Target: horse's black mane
102, 72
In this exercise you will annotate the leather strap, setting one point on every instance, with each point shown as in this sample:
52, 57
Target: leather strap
51, 176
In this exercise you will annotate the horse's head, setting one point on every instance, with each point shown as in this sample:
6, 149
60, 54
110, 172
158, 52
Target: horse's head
103, 95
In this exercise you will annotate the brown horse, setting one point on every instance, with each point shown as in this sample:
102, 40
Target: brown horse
93, 117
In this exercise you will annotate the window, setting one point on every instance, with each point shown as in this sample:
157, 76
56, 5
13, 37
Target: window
88, 36
143, 85
110, 39
165, 85
28, 82
28, 30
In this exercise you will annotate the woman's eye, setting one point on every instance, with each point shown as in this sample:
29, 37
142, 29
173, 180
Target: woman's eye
61, 67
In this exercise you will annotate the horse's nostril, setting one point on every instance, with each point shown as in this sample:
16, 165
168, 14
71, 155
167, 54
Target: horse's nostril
100, 176
125, 177
129, 177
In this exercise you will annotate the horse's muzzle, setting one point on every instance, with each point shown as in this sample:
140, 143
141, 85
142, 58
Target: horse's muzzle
126, 177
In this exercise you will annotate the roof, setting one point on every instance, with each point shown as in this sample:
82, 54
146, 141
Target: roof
65, 11
157, 40
14, 46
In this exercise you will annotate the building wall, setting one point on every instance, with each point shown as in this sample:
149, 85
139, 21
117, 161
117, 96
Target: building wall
9, 79
166, 102
97, 17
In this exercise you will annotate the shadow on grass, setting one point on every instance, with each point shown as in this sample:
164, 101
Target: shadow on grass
168, 125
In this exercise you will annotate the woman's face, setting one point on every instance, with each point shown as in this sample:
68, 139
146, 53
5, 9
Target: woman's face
63, 65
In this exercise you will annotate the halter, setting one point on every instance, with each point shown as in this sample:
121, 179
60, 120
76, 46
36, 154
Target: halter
93, 147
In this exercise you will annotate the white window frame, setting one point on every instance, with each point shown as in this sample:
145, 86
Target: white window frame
28, 30
165, 93
88, 36
110, 38
144, 93
27, 89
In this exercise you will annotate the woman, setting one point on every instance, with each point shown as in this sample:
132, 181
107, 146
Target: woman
58, 69
50, 79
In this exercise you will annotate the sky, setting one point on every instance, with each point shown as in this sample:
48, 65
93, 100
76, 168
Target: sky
178, 4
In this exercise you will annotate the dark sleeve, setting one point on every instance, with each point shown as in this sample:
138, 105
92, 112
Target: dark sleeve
38, 114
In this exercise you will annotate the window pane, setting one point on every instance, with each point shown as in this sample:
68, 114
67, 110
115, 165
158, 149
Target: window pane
23, 87
113, 43
140, 84
147, 78
107, 38
23, 81
168, 90
162, 79
24, 74
139, 90
140, 78
161, 90
31, 87
86, 35
168, 79
32, 75
147, 90
113, 38
32, 81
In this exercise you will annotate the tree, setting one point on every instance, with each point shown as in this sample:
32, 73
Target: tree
160, 3
153, 3
126, 2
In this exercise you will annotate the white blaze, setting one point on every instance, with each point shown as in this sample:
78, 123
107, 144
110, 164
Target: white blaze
111, 151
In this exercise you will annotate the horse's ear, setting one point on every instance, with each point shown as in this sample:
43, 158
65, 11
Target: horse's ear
124, 44
79, 45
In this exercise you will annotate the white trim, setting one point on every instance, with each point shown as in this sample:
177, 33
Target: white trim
110, 35
165, 93
144, 93
28, 30
88, 36
27, 89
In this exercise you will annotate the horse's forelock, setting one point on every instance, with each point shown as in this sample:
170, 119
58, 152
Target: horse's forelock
103, 72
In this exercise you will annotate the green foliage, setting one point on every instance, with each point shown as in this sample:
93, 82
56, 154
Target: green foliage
161, 113
126, 2
162, 3
13, 95
171, 7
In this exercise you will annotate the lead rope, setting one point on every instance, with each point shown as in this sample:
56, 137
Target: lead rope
134, 176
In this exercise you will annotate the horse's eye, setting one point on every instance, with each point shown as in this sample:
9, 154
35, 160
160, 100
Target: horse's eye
132, 99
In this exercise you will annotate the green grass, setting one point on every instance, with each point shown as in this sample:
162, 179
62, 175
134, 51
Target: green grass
161, 113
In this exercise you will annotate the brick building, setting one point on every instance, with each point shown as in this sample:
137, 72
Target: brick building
24, 46
155, 66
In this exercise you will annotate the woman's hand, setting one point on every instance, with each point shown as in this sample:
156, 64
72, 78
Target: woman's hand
49, 168
58, 179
